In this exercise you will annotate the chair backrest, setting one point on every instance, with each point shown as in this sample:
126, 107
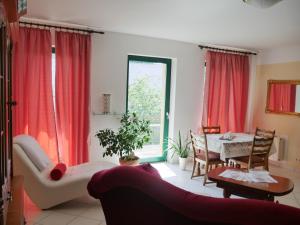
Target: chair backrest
196, 142
264, 133
206, 131
211, 129
262, 144
34, 151
200, 143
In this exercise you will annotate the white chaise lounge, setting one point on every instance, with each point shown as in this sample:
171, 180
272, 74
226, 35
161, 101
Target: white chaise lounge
30, 161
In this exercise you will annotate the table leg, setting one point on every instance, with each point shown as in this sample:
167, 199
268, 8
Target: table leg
270, 198
198, 171
227, 162
226, 193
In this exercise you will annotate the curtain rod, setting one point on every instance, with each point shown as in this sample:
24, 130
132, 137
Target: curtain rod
227, 50
61, 27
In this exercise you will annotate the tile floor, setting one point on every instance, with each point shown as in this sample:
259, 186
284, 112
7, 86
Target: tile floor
87, 211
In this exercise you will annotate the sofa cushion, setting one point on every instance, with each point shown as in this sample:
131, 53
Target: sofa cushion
213, 156
34, 151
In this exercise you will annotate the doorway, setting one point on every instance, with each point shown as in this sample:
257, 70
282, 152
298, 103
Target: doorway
148, 95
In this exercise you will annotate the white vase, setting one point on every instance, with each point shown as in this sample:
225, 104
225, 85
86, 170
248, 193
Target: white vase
182, 163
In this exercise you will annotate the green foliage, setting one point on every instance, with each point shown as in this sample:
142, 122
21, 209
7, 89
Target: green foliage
132, 135
179, 146
145, 99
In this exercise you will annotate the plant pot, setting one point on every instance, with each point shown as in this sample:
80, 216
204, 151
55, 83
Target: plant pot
131, 162
182, 163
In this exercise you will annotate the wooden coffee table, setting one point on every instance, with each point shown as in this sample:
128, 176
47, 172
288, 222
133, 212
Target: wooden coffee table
262, 191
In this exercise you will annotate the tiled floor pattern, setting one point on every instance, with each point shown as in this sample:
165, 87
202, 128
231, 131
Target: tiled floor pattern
87, 211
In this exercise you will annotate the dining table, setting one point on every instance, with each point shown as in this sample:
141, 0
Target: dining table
239, 144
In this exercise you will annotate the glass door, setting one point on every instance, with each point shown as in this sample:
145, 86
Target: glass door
148, 95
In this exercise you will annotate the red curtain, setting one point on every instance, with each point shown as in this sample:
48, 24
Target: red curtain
72, 95
226, 91
282, 97
32, 88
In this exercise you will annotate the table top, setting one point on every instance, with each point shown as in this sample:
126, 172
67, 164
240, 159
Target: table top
283, 187
215, 141
239, 145
236, 137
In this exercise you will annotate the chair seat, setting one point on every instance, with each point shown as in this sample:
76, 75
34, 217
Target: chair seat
212, 156
245, 159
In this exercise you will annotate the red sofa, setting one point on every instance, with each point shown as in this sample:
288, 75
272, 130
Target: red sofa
138, 196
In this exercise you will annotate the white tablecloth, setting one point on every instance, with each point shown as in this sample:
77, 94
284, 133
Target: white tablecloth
240, 145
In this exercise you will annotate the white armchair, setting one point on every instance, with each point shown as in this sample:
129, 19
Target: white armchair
43, 191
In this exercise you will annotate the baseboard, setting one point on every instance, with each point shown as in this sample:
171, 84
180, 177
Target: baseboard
284, 164
278, 163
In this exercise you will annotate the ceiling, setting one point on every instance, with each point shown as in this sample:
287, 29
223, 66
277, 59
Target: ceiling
219, 22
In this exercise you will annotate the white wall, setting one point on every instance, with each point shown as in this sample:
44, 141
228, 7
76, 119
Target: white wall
282, 63
251, 93
279, 55
109, 75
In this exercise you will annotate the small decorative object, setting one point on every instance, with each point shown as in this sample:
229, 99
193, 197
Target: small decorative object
262, 3
132, 135
227, 136
106, 103
181, 148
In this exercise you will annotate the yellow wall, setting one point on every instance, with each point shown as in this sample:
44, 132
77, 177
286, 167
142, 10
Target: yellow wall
283, 124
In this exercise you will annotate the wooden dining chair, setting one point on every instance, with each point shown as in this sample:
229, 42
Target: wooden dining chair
202, 153
259, 155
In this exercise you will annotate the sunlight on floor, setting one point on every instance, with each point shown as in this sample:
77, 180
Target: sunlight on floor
164, 170
149, 151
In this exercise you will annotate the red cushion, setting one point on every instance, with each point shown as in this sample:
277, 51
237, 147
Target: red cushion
58, 171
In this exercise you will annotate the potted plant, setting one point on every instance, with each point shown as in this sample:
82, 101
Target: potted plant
132, 134
181, 148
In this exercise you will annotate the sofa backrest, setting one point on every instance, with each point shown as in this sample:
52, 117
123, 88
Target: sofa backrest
132, 196
34, 151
